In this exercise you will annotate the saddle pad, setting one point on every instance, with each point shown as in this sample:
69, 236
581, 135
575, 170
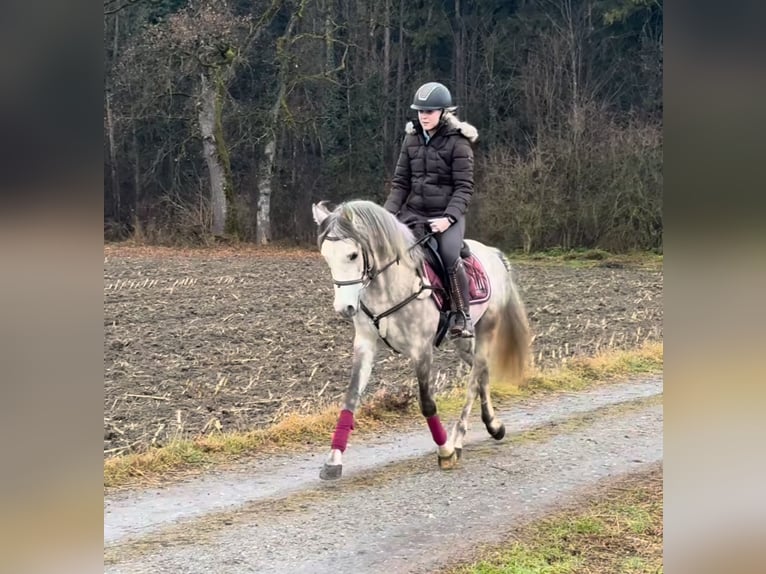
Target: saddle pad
479, 287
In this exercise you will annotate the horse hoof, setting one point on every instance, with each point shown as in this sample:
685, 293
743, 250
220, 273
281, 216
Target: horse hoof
448, 462
331, 472
499, 433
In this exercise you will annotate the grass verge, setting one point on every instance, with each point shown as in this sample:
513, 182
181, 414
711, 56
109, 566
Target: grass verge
385, 409
582, 372
617, 530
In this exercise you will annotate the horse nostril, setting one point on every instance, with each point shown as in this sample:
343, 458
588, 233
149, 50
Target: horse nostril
350, 311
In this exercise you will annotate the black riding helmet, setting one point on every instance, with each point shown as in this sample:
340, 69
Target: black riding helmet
432, 96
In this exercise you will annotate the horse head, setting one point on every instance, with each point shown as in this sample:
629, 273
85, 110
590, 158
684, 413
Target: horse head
346, 258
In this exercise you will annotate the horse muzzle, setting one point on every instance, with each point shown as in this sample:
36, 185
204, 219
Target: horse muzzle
348, 311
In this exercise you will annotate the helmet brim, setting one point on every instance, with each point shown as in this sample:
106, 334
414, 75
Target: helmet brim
416, 107
448, 109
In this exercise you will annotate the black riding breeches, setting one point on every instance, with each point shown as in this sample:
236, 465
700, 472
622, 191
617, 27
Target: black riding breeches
450, 242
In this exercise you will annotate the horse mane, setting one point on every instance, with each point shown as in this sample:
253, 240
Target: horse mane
379, 233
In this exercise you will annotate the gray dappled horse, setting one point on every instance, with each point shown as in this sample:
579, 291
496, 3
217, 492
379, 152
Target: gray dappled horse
377, 268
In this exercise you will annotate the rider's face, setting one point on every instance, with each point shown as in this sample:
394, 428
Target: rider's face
429, 119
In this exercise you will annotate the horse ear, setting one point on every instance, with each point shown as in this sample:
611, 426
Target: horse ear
320, 212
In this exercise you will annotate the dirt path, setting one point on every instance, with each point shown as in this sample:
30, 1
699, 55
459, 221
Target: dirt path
393, 511
209, 341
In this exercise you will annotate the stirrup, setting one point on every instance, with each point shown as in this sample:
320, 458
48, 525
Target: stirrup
462, 327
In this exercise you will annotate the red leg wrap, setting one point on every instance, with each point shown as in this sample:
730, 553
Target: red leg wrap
342, 430
437, 430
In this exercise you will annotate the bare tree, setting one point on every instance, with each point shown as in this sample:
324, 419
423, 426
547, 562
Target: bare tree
266, 164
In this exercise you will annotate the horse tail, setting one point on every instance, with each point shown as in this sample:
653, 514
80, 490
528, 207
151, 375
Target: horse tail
512, 336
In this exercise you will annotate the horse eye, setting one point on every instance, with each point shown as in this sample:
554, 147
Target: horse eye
353, 256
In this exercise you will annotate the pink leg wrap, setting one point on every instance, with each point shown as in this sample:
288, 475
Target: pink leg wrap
437, 430
342, 430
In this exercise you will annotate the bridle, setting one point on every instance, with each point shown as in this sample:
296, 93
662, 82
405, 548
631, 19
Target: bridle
369, 275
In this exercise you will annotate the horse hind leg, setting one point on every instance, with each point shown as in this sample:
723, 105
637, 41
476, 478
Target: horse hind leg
469, 352
461, 427
478, 384
493, 424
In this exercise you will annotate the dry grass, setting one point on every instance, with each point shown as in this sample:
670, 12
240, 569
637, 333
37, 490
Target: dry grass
386, 407
293, 432
574, 375
582, 372
617, 530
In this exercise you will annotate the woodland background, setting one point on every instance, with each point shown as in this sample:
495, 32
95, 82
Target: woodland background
227, 119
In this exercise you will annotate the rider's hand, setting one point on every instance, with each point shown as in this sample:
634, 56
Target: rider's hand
439, 225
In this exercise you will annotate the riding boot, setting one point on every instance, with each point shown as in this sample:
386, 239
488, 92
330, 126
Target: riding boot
462, 325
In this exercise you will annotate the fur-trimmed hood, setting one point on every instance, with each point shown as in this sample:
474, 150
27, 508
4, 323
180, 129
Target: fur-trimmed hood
450, 119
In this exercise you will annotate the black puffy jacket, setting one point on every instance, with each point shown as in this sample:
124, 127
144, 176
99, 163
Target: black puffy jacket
434, 179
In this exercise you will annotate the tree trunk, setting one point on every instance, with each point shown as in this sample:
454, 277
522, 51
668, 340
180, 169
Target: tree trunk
386, 79
117, 212
265, 176
266, 167
266, 171
399, 82
137, 211
459, 59
427, 58
207, 124
329, 62
575, 48
491, 90
116, 192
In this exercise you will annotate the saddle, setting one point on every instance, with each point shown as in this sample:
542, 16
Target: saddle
435, 274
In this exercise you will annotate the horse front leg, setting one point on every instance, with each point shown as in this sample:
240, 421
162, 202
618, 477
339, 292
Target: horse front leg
447, 456
364, 353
